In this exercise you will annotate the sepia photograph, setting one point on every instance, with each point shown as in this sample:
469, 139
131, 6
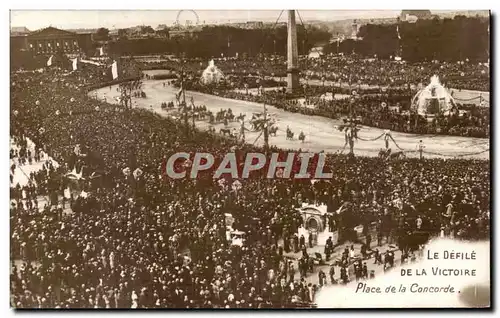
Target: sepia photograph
249, 159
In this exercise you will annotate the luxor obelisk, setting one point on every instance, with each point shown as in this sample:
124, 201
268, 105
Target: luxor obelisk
293, 55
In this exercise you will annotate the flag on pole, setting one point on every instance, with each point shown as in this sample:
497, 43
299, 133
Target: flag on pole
75, 64
114, 70
49, 62
101, 51
178, 95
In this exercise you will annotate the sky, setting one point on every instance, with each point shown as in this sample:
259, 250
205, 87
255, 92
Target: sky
75, 19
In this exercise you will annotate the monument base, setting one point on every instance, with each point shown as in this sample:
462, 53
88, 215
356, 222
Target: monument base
293, 83
319, 238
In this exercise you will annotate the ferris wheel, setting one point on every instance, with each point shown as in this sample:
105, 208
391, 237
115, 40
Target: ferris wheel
187, 18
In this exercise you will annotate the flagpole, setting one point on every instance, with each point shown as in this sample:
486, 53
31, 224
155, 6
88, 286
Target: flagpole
242, 130
192, 103
266, 131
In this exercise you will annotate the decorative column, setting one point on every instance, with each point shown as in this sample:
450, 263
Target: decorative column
293, 55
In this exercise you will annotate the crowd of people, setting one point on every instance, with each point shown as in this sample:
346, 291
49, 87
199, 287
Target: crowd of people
386, 110
384, 103
348, 69
140, 240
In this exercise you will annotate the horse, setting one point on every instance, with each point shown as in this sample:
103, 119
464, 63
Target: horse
273, 131
397, 155
211, 117
384, 154
254, 126
199, 109
289, 134
240, 117
302, 136
229, 117
220, 115
225, 131
201, 115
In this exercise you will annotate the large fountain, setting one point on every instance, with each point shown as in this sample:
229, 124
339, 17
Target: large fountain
433, 99
212, 74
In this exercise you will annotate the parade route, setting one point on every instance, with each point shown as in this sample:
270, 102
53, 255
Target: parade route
461, 95
321, 133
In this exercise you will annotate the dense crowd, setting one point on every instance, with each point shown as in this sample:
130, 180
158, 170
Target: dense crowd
386, 110
389, 83
143, 241
349, 69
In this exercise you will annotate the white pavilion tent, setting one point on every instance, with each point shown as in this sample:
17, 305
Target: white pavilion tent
433, 99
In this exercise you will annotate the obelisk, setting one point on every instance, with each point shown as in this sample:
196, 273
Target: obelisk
293, 55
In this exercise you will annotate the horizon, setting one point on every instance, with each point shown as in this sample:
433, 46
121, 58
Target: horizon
115, 19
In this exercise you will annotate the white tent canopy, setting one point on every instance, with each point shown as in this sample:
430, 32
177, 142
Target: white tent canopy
433, 99
212, 74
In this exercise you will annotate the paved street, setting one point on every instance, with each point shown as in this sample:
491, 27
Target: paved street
321, 133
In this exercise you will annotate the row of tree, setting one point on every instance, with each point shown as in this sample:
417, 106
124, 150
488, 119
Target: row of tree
214, 41
103, 34
441, 39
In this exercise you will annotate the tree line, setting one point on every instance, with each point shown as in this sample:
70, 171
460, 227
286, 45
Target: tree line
431, 39
217, 41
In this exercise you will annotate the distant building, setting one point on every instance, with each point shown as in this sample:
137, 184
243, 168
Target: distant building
187, 32
161, 27
162, 31
114, 34
19, 31
249, 25
18, 38
181, 33
355, 29
141, 31
254, 24
51, 40
411, 18
413, 15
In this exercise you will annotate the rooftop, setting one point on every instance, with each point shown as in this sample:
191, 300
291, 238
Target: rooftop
19, 30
